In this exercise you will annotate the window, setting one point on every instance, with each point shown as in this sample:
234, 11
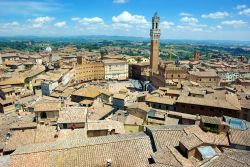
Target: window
201, 108
183, 106
43, 115
193, 107
211, 109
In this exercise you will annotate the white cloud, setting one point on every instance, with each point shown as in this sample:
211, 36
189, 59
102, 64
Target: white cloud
219, 27
234, 23
216, 15
189, 28
93, 20
185, 14
166, 25
9, 25
120, 1
75, 18
60, 24
190, 20
40, 21
127, 18
27, 6
238, 7
14, 23
245, 12
122, 26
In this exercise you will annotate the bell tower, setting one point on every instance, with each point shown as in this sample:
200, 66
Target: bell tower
155, 34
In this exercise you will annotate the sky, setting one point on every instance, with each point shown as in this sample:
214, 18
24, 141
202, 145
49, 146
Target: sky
180, 19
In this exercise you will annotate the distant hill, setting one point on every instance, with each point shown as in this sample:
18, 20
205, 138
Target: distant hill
98, 38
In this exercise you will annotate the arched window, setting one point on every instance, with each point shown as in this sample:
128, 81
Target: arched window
43, 115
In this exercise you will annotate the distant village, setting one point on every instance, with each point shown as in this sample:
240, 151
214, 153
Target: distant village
73, 107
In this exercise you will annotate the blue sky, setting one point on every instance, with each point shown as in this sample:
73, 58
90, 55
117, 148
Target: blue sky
180, 19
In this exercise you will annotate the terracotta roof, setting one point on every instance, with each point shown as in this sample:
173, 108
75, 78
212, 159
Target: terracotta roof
72, 115
167, 135
170, 135
114, 61
208, 137
13, 81
97, 111
88, 152
40, 135
23, 125
119, 96
133, 120
106, 124
239, 137
69, 134
190, 141
140, 105
106, 92
231, 158
227, 101
170, 157
47, 106
162, 100
90, 92
211, 120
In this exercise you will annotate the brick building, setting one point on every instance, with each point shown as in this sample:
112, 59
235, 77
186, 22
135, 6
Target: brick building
87, 70
205, 78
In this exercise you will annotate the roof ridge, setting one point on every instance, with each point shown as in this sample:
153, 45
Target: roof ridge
56, 147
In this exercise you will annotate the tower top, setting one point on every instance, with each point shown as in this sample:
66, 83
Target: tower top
156, 14
155, 31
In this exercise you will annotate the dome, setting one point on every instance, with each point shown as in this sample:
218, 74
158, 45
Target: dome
48, 49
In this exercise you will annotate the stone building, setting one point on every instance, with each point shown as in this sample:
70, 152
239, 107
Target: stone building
47, 111
210, 105
171, 71
87, 70
115, 69
197, 55
205, 78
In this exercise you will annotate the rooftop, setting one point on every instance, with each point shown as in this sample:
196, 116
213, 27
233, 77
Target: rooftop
89, 92
72, 115
88, 152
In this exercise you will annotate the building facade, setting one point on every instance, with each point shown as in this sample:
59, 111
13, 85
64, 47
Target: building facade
115, 69
205, 78
197, 55
88, 70
48, 86
171, 71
